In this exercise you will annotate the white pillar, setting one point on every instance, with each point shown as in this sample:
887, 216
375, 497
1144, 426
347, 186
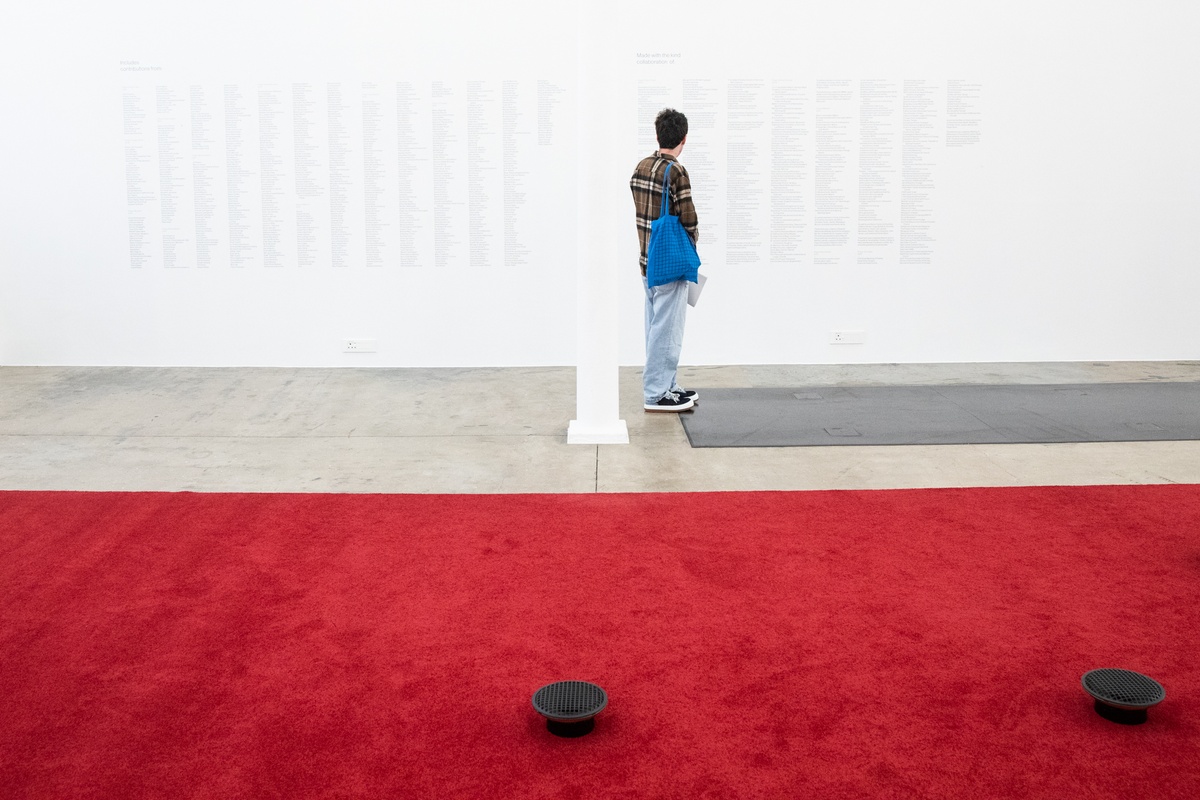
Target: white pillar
597, 397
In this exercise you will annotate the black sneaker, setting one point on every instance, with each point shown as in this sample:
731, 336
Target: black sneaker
689, 394
671, 402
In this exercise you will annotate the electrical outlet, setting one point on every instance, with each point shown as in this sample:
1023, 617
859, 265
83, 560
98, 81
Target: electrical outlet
848, 337
358, 345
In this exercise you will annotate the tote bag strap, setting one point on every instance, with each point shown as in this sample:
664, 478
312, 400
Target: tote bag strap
663, 209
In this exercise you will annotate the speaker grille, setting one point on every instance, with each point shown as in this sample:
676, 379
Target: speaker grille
1123, 688
569, 700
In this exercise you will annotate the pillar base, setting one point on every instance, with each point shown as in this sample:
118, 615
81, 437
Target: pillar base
615, 432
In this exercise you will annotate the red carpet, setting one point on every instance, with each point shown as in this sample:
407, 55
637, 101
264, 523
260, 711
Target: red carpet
887, 644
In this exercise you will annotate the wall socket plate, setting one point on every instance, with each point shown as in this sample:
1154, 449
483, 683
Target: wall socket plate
847, 337
358, 345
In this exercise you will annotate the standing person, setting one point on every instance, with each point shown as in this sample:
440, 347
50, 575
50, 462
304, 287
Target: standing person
666, 305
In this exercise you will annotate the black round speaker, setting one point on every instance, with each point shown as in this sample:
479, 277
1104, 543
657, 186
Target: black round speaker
570, 707
1122, 695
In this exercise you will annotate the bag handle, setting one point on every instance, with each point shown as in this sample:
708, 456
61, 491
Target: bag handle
663, 209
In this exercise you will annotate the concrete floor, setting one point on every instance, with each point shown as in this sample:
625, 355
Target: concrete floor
498, 430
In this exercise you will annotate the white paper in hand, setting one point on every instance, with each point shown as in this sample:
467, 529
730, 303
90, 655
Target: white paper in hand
694, 289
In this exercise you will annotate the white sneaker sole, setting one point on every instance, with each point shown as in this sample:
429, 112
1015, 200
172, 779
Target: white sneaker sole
671, 409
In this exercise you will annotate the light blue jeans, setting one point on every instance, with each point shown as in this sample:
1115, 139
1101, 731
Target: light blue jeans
666, 307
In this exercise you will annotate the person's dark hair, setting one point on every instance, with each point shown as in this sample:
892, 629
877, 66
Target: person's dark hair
671, 127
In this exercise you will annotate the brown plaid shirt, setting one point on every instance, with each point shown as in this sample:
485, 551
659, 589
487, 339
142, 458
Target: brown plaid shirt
646, 184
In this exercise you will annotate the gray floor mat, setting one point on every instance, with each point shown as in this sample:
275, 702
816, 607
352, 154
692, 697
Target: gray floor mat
972, 414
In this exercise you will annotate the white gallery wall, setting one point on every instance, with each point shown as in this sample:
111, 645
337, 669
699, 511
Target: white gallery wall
256, 183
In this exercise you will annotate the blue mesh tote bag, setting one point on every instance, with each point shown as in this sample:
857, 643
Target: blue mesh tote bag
670, 254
